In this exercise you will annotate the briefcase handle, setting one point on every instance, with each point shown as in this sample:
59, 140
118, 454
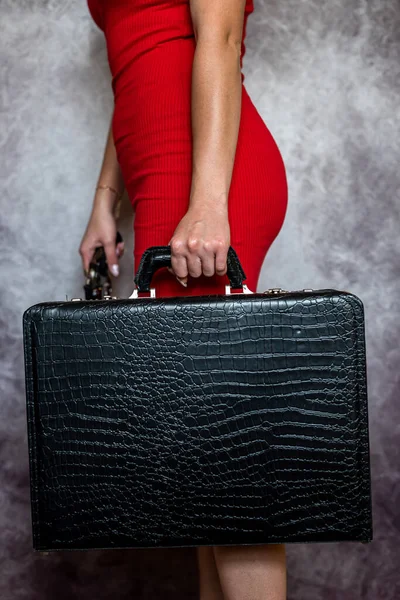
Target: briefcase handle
156, 257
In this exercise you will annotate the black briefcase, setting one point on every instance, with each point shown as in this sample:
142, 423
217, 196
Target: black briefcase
236, 418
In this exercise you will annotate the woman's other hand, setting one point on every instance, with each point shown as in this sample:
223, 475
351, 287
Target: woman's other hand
200, 243
101, 231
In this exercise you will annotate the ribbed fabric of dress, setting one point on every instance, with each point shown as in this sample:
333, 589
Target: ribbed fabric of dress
150, 49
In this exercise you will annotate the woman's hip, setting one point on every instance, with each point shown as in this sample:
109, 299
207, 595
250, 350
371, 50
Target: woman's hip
154, 149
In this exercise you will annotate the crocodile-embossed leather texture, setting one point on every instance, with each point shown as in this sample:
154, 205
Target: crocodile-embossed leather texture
198, 420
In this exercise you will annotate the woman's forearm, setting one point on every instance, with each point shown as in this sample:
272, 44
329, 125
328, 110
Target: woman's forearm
110, 174
216, 109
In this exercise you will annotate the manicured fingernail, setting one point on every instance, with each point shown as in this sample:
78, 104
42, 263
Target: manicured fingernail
117, 252
182, 282
114, 270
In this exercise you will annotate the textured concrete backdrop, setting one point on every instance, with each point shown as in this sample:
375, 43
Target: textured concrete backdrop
326, 78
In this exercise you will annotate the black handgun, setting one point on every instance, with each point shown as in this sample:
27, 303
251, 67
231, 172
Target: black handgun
98, 282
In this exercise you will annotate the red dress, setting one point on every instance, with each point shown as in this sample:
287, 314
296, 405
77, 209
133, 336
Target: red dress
150, 46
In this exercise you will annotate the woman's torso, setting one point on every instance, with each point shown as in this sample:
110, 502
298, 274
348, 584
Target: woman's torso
134, 29
151, 46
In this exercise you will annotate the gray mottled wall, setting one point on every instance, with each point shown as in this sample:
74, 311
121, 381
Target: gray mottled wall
326, 78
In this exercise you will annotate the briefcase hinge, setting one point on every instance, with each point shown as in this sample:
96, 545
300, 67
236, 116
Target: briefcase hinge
245, 290
135, 294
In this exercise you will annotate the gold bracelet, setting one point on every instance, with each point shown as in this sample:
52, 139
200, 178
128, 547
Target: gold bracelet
108, 187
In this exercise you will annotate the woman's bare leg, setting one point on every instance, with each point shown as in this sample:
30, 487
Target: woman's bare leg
210, 587
252, 572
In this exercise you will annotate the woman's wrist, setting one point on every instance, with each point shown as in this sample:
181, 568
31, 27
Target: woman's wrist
106, 197
116, 193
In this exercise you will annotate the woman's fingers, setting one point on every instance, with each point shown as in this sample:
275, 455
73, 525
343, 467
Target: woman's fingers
194, 257
199, 260
211, 258
86, 251
200, 244
120, 249
101, 231
221, 255
178, 261
112, 253
111, 256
